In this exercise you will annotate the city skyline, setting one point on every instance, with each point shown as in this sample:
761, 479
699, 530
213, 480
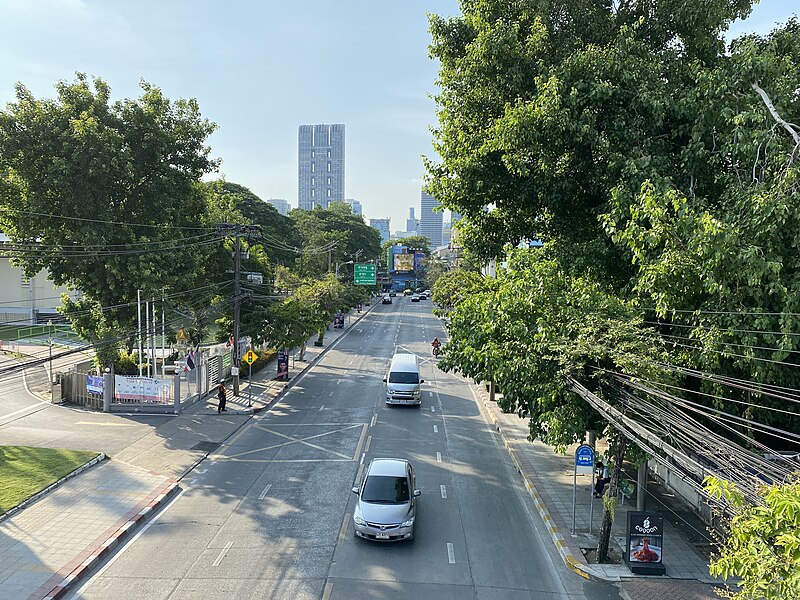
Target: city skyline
250, 75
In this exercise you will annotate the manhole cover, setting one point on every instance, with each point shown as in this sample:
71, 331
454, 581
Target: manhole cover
206, 446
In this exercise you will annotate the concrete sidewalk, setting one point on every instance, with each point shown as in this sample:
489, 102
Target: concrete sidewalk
548, 478
53, 543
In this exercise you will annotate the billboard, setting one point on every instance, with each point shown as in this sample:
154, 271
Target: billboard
403, 262
419, 261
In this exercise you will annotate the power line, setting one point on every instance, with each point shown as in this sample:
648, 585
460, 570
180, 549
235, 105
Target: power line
86, 220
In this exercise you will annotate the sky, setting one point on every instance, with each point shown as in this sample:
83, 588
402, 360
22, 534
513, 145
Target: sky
261, 69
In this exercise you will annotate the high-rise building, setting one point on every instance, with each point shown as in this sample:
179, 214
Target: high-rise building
411, 222
382, 225
430, 220
320, 165
355, 206
281, 205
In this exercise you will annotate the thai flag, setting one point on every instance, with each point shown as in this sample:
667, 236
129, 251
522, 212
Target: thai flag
190, 359
230, 342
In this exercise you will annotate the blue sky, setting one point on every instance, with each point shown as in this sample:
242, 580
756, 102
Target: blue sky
260, 69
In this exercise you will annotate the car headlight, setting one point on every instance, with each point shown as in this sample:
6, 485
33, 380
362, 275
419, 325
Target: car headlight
359, 521
408, 523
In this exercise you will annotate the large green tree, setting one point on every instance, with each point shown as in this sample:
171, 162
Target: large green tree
106, 197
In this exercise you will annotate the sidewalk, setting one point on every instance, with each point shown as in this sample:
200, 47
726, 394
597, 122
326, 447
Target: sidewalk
49, 546
548, 478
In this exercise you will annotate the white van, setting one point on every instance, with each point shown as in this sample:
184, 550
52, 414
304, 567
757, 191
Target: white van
402, 380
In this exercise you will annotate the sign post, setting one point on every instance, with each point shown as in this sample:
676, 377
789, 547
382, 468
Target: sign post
584, 463
250, 357
645, 543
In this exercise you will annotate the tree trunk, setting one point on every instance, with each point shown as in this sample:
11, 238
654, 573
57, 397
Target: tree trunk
610, 501
302, 352
320, 338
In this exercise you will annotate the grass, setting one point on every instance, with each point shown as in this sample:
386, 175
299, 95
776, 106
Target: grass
24, 471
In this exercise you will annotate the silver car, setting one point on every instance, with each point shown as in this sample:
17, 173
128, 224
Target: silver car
387, 501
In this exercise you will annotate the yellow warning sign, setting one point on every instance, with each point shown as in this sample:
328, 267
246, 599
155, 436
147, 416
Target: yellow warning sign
250, 357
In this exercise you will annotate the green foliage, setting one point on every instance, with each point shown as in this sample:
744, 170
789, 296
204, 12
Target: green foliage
535, 326
454, 286
762, 546
127, 173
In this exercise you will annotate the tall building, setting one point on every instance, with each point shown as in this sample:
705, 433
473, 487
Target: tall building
382, 225
281, 205
455, 217
320, 165
355, 206
430, 221
411, 222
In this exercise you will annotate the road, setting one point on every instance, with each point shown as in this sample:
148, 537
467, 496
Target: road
270, 514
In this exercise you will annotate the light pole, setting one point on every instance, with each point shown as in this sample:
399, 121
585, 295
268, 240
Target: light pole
50, 344
349, 262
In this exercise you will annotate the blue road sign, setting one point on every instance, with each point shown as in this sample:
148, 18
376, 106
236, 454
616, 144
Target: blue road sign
584, 456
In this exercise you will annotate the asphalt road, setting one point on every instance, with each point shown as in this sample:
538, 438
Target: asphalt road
270, 515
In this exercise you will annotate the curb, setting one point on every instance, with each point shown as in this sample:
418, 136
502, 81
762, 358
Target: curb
101, 552
52, 486
576, 565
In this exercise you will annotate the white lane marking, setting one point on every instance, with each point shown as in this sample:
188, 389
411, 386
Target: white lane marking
438, 457
222, 554
443, 490
264, 492
363, 454
350, 363
339, 381
451, 554
435, 429
358, 330
106, 424
199, 472
374, 420
322, 407
369, 441
330, 394
433, 409
193, 481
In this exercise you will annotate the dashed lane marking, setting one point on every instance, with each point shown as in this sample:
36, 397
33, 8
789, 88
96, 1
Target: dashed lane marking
451, 554
443, 490
435, 429
438, 457
264, 492
222, 554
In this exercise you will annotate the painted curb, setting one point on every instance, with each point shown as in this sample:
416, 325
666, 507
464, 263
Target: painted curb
101, 552
568, 558
52, 486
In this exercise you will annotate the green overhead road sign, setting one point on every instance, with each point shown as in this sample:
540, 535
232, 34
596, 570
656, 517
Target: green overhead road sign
364, 274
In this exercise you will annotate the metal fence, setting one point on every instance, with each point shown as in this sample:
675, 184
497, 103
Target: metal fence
74, 390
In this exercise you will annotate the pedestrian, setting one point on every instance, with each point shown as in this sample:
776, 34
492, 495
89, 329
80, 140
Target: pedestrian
601, 472
222, 395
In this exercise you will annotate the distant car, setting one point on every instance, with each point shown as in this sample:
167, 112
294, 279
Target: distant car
387, 501
387, 299
415, 298
428, 293
408, 292
392, 293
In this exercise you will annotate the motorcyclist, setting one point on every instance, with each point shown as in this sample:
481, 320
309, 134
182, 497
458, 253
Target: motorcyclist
436, 345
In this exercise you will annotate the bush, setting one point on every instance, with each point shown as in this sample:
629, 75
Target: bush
126, 364
264, 358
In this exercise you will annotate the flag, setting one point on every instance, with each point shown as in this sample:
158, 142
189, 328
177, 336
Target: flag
190, 359
230, 342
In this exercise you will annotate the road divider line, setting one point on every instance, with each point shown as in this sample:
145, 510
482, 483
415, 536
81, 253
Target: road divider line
435, 429
374, 420
343, 529
193, 481
443, 490
222, 554
358, 475
363, 454
369, 440
438, 457
322, 407
264, 492
330, 394
433, 409
451, 554
326, 593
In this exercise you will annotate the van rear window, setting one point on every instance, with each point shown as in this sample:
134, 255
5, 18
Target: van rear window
403, 377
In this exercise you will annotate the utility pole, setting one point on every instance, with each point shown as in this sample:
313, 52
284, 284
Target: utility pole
237, 230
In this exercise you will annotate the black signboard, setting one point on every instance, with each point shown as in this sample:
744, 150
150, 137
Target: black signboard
283, 366
645, 543
338, 321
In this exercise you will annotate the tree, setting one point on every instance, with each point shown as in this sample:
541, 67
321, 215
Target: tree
762, 545
82, 179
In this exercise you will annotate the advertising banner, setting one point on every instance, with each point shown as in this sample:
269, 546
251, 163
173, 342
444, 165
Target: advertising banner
419, 261
142, 390
94, 384
283, 366
645, 543
403, 262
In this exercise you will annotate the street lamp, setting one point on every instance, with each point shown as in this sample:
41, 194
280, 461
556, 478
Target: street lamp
50, 344
349, 262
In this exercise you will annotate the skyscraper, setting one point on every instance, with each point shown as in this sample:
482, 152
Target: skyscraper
320, 165
355, 206
281, 205
430, 221
382, 225
411, 222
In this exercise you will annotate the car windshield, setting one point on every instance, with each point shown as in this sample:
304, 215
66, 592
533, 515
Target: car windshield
383, 489
403, 377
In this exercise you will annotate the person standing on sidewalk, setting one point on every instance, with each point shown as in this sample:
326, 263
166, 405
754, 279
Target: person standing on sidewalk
222, 395
602, 479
